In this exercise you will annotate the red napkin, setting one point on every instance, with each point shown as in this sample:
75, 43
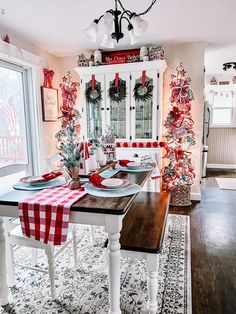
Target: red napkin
51, 175
96, 180
124, 162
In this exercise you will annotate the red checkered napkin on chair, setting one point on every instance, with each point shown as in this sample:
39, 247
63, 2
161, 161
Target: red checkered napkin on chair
45, 215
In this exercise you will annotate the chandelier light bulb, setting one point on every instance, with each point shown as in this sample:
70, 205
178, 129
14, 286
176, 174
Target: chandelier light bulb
140, 26
92, 31
133, 39
107, 42
107, 24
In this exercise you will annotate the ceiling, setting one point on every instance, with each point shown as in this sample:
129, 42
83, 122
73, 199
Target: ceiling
57, 25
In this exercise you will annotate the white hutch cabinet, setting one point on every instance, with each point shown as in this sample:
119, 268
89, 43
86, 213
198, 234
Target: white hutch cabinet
130, 119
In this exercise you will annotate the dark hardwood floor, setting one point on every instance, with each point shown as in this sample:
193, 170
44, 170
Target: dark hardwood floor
213, 247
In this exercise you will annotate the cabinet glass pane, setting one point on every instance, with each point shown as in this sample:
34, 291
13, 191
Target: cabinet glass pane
143, 112
118, 114
94, 114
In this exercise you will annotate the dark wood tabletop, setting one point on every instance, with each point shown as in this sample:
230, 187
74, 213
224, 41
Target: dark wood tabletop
94, 204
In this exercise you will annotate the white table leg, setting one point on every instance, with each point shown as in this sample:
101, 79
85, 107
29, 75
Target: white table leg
4, 289
152, 262
113, 227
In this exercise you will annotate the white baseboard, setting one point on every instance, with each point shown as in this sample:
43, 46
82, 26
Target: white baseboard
196, 196
220, 166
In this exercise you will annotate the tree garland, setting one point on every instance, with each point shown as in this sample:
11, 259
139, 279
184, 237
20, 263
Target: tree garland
117, 94
143, 93
93, 96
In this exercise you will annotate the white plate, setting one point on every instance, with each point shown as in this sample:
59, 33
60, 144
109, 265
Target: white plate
130, 190
133, 165
47, 185
112, 183
126, 183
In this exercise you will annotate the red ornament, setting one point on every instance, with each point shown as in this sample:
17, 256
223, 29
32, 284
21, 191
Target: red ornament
118, 144
155, 144
140, 145
134, 144
149, 144
125, 144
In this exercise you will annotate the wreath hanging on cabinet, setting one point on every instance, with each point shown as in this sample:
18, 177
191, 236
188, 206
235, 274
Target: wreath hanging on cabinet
117, 93
143, 92
93, 95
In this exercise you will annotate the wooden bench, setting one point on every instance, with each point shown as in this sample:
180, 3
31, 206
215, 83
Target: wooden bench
142, 236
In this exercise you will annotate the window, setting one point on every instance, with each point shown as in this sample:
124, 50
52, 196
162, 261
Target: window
15, 150
222, 107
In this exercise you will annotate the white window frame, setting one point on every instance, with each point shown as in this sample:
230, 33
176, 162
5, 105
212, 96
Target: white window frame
31, 65
218, 89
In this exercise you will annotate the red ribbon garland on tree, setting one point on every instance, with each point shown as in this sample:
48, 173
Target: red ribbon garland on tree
143, 78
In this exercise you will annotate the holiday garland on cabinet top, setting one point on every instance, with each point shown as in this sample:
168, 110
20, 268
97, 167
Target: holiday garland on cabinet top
178, 175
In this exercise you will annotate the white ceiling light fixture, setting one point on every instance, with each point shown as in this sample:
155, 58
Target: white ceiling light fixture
112, 25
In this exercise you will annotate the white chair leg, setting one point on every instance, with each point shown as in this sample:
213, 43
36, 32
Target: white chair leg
50, 255
34, 256
9, 256
10, 265
75, 249
92, 234
152, 262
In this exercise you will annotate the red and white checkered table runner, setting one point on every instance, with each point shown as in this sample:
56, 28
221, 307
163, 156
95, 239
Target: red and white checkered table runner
45, 215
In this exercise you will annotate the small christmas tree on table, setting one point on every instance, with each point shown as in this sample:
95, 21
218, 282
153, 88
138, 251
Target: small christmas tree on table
68, 136
178, 174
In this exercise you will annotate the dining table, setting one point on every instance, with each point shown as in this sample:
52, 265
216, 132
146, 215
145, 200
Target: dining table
89, 210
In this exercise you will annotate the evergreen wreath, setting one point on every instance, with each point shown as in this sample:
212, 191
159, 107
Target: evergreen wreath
93, 96
143, 93
117, 94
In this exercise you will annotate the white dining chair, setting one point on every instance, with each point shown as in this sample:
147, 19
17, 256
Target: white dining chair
15, 238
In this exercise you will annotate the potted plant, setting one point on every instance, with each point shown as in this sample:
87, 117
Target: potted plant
71, 152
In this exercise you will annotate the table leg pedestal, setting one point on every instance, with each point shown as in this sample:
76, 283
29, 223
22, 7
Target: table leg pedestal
113, 228
152, 263
4, 289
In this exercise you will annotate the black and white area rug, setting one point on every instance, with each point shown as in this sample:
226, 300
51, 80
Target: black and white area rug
85, 291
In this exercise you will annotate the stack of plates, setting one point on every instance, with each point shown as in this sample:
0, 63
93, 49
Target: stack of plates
33, 183
114, 184
113, 188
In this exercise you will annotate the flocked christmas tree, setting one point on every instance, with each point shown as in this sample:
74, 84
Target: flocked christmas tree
179, 136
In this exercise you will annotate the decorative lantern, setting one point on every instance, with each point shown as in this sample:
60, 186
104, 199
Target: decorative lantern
108, 142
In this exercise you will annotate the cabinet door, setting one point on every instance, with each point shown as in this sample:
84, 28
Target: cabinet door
93, 116
118, 112
144, 112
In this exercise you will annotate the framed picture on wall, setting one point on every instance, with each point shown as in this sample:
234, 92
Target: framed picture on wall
49, 103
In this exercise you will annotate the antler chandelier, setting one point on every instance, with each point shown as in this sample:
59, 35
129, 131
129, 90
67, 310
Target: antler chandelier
112, 25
